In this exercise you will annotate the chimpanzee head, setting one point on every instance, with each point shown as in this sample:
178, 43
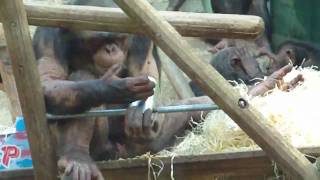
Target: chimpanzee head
299, 53
104, 49
237, 64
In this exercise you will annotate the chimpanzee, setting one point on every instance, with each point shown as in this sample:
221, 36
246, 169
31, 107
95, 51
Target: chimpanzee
83, 70
239, 64
299, 53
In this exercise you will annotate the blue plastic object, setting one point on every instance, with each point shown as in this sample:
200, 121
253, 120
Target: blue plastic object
14, 149
20, 126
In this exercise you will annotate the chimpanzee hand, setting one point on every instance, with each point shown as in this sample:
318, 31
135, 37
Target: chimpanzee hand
276, 79
125, 90
141, 126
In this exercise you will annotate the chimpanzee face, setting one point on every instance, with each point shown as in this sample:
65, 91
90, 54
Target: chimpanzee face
107, 49
245, 65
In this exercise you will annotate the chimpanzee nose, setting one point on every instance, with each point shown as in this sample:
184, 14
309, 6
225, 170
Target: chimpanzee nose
110, 48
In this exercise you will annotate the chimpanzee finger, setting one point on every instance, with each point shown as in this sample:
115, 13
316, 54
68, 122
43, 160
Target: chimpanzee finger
75, 173
82, 173
147, 119
144, 88
143, 95
87, 173
68, 169
96, 174
128, 121
294, 82
141, 80
100, 177
148, 123
282, 72
113, 70
137, 122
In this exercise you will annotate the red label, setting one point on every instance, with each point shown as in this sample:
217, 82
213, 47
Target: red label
9, 153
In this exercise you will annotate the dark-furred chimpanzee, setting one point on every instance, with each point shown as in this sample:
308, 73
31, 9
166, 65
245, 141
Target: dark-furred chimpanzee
82, 70
244, 63
299, 53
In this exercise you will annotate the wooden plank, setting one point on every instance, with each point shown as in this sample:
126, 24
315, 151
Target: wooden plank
2, 39
24, 66
9, 83
213, 84
114, 20
245, 165
176, 77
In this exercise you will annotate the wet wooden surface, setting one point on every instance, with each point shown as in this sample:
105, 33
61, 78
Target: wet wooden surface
245, 165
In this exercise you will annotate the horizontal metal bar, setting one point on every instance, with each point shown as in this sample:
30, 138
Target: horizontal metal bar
119, 112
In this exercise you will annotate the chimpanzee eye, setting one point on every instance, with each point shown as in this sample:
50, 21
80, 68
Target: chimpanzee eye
288, 52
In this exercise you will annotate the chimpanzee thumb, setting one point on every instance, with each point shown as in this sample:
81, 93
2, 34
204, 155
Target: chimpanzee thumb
112, 72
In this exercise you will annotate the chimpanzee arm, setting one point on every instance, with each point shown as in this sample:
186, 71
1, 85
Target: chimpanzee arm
140, 58
64, 96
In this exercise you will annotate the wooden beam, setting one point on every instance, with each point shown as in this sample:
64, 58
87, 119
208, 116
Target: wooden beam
9, 83
244, 165
114, 20
213, 84
176, 77
28, 85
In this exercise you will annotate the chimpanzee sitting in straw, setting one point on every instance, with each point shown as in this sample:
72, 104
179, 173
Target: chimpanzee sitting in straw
83, 70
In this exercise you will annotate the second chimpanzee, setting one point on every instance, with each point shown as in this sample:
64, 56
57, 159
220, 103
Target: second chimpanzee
299, 53
240, 64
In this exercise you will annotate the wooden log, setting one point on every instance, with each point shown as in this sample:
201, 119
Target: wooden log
213, 84
24, 66
244, 165
114, 20
176, 77
9, 83
2, 39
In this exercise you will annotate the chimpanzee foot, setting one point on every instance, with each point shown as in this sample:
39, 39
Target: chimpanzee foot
77, 165
276, 79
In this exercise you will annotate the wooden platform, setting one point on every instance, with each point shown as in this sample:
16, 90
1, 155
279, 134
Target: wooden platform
248, 165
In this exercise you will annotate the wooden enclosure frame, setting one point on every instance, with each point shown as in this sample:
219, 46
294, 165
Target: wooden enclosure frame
15, 23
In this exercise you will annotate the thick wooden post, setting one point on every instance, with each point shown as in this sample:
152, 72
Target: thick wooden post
24, 66
176, 77
114, 20
9, 84
213, 84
